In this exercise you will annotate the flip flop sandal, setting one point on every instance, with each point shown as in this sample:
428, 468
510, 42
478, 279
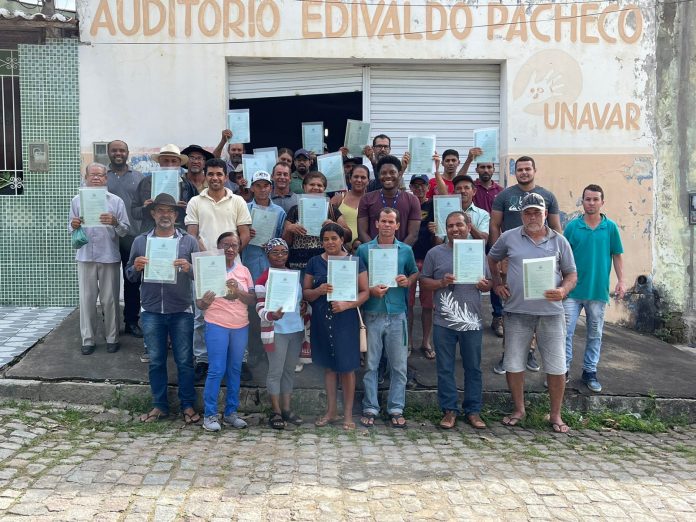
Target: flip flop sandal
276, 422
368, 420
558, 428
289, 416
325, 421
153, 417
511, 421
428, 352
395, 419
194, 418
348, 426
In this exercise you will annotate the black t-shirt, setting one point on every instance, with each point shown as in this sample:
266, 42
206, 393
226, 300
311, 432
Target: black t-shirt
425, 238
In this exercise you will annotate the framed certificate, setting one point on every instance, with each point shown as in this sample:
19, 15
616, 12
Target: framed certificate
383, 265
165, 181
264, 223
343, 276
488, 140
282, 290
269, 156
539, 275
357, 136
331, 166
467, 260
92, 205
161, 252
210, 272
313, 137
313, 211
421, 149
250, 164
238, 123
442, 207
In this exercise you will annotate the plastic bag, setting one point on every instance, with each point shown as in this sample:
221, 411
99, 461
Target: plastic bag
78, 239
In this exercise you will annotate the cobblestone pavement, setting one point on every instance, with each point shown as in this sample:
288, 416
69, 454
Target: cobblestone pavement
58, 463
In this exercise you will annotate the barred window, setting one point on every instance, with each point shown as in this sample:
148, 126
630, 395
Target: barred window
11, 176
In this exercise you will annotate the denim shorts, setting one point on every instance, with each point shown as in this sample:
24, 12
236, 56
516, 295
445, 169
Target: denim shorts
550, 333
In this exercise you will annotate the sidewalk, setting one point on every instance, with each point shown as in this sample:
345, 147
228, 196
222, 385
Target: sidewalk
634, 367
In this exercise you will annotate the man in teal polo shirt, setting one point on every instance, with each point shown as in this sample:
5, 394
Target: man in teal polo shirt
385, 318
596, 243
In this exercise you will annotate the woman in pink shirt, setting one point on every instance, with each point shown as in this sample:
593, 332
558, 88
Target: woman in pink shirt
226, 335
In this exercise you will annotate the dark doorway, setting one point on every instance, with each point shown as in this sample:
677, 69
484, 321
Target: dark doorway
277, 122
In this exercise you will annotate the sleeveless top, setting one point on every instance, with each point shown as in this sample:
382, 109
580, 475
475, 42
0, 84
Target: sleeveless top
350, 214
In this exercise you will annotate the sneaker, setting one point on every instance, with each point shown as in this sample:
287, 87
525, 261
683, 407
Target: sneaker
590, 380
211, 423
532, 364
145, 357
200, 371
234, 420
246, 374
134, 330
498, 368
411, 383
299, 367
497, 326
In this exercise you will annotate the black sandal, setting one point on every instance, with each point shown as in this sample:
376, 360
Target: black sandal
276, 421
396, 420
290, 417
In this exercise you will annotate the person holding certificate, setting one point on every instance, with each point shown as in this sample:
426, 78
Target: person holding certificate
166, 311
226, 336
267, 220
335, 327
385, 318
349, 201
525, 313
303, 246
282, 330
457, 319
99, 260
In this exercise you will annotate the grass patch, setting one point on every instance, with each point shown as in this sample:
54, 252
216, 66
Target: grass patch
686, 451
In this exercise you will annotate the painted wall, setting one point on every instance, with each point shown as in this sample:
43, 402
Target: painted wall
577, 93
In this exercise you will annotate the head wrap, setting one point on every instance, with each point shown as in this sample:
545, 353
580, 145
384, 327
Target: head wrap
276, 241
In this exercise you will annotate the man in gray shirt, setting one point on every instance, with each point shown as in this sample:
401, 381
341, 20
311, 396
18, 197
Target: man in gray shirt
123, 182
527, 313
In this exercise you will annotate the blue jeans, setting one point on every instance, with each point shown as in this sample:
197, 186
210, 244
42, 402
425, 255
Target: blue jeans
445, 341
157, 328
225, 352
386, 333
496, 305
200, 352
594, 311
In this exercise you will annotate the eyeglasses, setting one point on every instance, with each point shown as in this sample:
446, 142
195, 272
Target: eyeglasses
228, 246
278, 253
381, 146
96, 175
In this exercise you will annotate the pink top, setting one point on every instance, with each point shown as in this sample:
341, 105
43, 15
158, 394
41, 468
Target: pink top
231, 314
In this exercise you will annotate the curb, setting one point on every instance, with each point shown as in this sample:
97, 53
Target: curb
308, 400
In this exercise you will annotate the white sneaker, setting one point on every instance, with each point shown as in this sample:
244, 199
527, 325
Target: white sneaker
234, 420
299, 368
211, 423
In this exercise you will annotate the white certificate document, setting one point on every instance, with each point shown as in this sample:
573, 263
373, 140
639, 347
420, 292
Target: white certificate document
421, 149
264, 223
313, 137
467, 260
282, 290
383, 265
238, 123
442, 207
165, 181
269, 155
92, 205
357, 136
343, 276
539, 275
210, 272
250, 164
488, 140
331, 166
313, 211
161, 252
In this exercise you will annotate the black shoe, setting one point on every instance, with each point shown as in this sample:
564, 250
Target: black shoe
134, 330
87, 349
411, 383
200, 371
246, 373
112, 347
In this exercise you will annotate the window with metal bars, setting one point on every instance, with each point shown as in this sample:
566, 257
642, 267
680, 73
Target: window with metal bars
11, 171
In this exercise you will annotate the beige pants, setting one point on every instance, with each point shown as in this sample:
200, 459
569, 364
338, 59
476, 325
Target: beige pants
101, 280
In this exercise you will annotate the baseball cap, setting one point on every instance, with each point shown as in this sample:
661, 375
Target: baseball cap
302, 152
533, 200
260, 175
420, 177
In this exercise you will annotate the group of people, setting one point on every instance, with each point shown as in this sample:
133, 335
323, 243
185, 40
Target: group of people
209, 336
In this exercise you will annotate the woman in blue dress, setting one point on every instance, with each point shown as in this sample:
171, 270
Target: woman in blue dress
335, 327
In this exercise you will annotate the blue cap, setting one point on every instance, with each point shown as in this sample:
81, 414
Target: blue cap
302, 152
420, 177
